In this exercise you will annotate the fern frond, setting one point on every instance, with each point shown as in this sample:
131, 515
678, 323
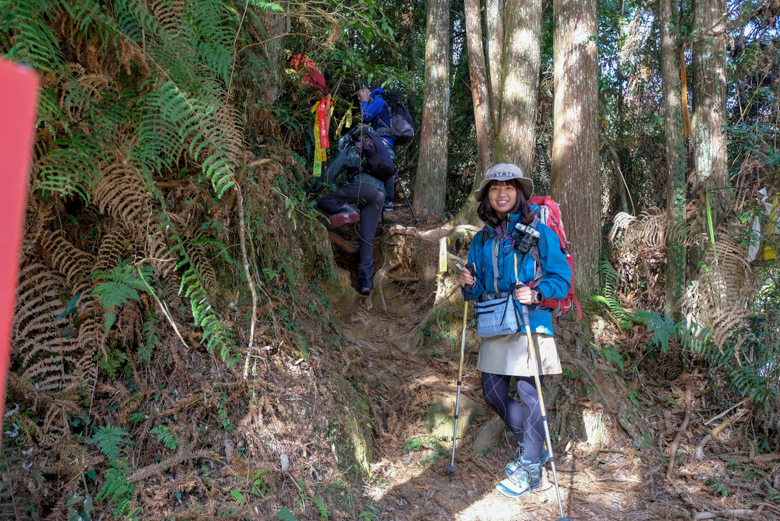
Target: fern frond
109, 440
53, 373
612, 282
69, 261
26, 35
73, 167
165, 436
169, 110
114, 246
38, 304
122, 286
121, 193
168, 14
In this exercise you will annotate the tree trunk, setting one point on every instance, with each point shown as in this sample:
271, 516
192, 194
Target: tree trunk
576, 179
494, 12
479, 88
274, 25
516, 139
431, 183
510, 88
709, 113
675, 161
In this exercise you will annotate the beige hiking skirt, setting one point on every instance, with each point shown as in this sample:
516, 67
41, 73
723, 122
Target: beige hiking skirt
508, 355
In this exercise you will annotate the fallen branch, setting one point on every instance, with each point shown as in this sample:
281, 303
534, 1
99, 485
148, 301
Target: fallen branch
341, 243
716, 430
678, 437
725, 513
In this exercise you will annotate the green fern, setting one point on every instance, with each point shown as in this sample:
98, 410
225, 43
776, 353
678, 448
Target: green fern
121, 287
109, 440
214, 333
165, 436
183, 119
26, 36
116, 488
612, 283
149, 329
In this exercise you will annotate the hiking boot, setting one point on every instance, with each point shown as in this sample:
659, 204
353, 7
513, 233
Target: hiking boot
365, 291
526, 478
388, 207
346, 217
513, 465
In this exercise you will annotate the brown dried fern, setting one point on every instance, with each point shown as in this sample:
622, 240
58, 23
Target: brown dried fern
168, 14
69, 261
121, 194
38, 305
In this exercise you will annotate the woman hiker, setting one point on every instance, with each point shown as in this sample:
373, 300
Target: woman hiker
501, 269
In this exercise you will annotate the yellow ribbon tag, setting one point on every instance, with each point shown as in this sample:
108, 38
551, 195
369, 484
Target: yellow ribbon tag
317, 168
443, 254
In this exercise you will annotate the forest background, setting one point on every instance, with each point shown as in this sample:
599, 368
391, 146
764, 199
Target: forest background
173, 268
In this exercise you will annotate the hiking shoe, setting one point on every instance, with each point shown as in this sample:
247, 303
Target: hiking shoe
526, 478
365, 291
340, 219
513, 465
388, 207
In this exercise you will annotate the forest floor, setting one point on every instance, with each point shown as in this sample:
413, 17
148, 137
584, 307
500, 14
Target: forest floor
601, 470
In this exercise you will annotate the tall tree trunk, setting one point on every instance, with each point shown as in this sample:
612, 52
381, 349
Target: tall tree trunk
480, 95
576, 179
494, 13
709, 112
431, 183
516, 139
509, 90
274, 25
675, 161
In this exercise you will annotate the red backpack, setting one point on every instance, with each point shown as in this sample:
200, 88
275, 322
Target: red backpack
550, 215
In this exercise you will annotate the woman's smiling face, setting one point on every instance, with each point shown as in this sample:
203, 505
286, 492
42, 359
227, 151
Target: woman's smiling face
502, 197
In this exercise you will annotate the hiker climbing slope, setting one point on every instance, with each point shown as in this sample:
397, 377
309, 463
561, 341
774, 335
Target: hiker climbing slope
374, 111
503, 265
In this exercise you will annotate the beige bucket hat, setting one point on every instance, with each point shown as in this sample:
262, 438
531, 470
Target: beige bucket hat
505, 172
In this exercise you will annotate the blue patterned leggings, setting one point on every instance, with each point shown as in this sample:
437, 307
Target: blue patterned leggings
524, 418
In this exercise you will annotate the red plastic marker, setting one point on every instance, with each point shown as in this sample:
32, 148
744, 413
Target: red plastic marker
18, 101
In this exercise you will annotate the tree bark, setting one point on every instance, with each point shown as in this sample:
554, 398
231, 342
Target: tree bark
516, 139
274, 25
480, 95
709, 112
430, 185
576, 178
675, 161
494, 12
507, 89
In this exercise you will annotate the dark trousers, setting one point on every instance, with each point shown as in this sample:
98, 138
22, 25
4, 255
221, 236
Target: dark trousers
370, 201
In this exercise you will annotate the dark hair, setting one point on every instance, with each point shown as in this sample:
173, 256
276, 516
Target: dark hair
489, 216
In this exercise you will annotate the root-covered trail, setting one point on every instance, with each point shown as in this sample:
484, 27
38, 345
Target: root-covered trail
601, 471
409, 478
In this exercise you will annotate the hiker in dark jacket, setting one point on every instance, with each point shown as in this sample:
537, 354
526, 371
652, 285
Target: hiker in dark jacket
363, 191
500, 269
374, 111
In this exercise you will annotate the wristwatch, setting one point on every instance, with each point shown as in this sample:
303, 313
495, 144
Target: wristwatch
538, 296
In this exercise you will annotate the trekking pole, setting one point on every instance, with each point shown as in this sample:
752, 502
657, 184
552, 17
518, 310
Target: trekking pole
451, 467
536, 360
410, 209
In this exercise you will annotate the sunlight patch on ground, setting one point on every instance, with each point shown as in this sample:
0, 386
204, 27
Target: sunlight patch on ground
388, 474
495, 507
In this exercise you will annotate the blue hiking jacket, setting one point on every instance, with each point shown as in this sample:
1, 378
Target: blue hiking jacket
514, 267
376, 113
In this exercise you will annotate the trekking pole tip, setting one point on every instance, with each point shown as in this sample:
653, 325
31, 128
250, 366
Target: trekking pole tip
452, 469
